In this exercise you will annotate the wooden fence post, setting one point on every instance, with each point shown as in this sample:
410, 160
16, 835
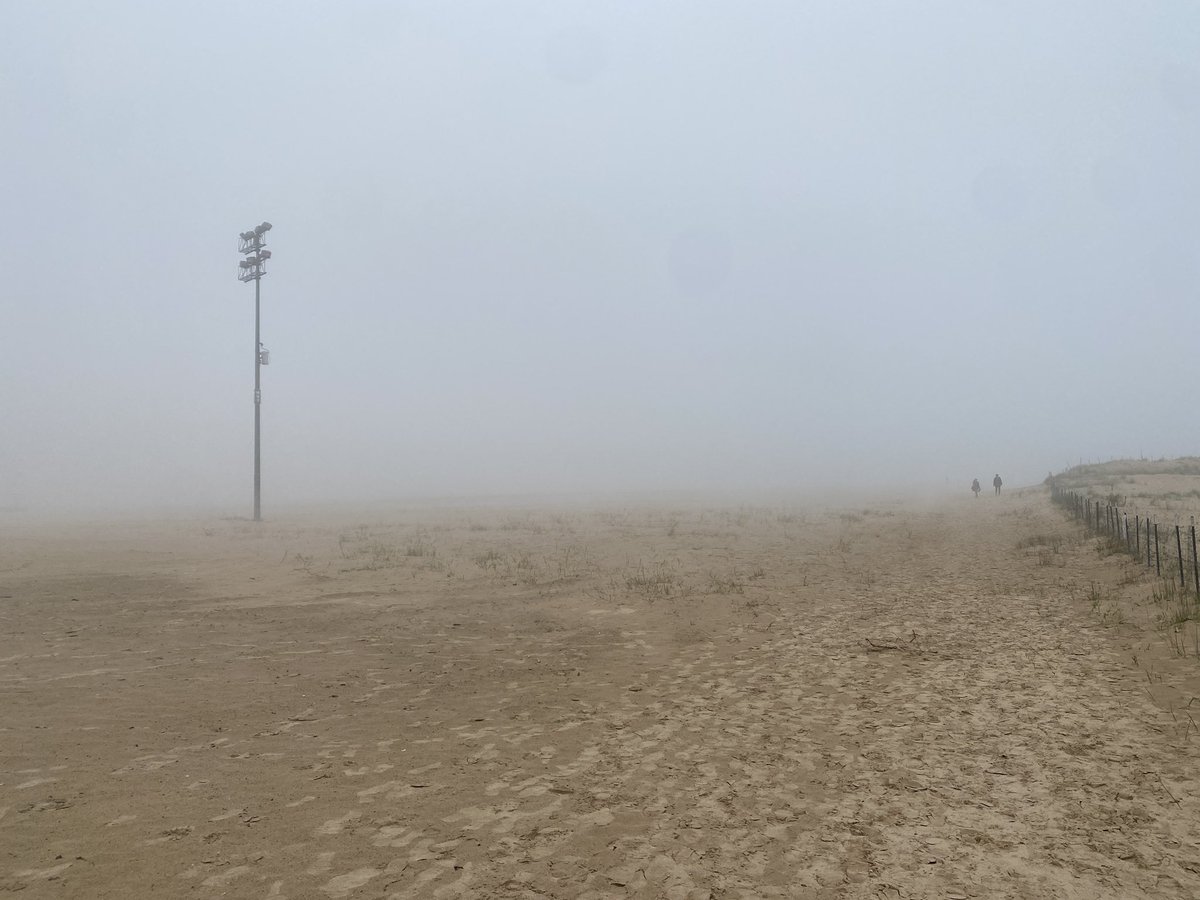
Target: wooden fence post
1179, 550
1195, 562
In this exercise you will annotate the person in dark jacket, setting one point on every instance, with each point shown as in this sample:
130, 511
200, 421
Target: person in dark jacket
996, 483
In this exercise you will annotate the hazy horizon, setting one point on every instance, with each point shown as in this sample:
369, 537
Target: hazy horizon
568, 248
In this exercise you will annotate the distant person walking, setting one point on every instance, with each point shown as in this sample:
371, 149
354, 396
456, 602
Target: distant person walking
997, 483
976, 488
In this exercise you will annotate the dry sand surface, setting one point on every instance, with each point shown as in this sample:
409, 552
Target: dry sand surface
909, 700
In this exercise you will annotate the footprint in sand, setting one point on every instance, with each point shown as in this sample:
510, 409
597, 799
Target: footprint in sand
148, 763
322, 864
222, 879
336, 826
394, 836
52, 872
344, 884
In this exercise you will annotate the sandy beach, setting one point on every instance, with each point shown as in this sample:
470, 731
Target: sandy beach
892, 699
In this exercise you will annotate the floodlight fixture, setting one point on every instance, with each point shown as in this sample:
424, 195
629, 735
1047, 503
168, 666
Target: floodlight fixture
253, 268
251, 242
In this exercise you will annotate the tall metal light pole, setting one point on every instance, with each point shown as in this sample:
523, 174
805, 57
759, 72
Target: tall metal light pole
253, 268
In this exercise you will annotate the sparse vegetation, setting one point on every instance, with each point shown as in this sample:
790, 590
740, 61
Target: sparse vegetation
658, 582
1175, 605
1051, 541
488, 559
420, 546
725, 584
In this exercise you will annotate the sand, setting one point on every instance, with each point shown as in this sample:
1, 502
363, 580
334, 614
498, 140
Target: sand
895, 700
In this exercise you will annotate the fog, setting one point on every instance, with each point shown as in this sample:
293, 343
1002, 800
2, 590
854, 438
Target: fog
552, 247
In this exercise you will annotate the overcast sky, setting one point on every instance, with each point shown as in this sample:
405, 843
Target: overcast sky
558, 246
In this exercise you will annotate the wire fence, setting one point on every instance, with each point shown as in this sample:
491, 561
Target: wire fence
1141, 537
